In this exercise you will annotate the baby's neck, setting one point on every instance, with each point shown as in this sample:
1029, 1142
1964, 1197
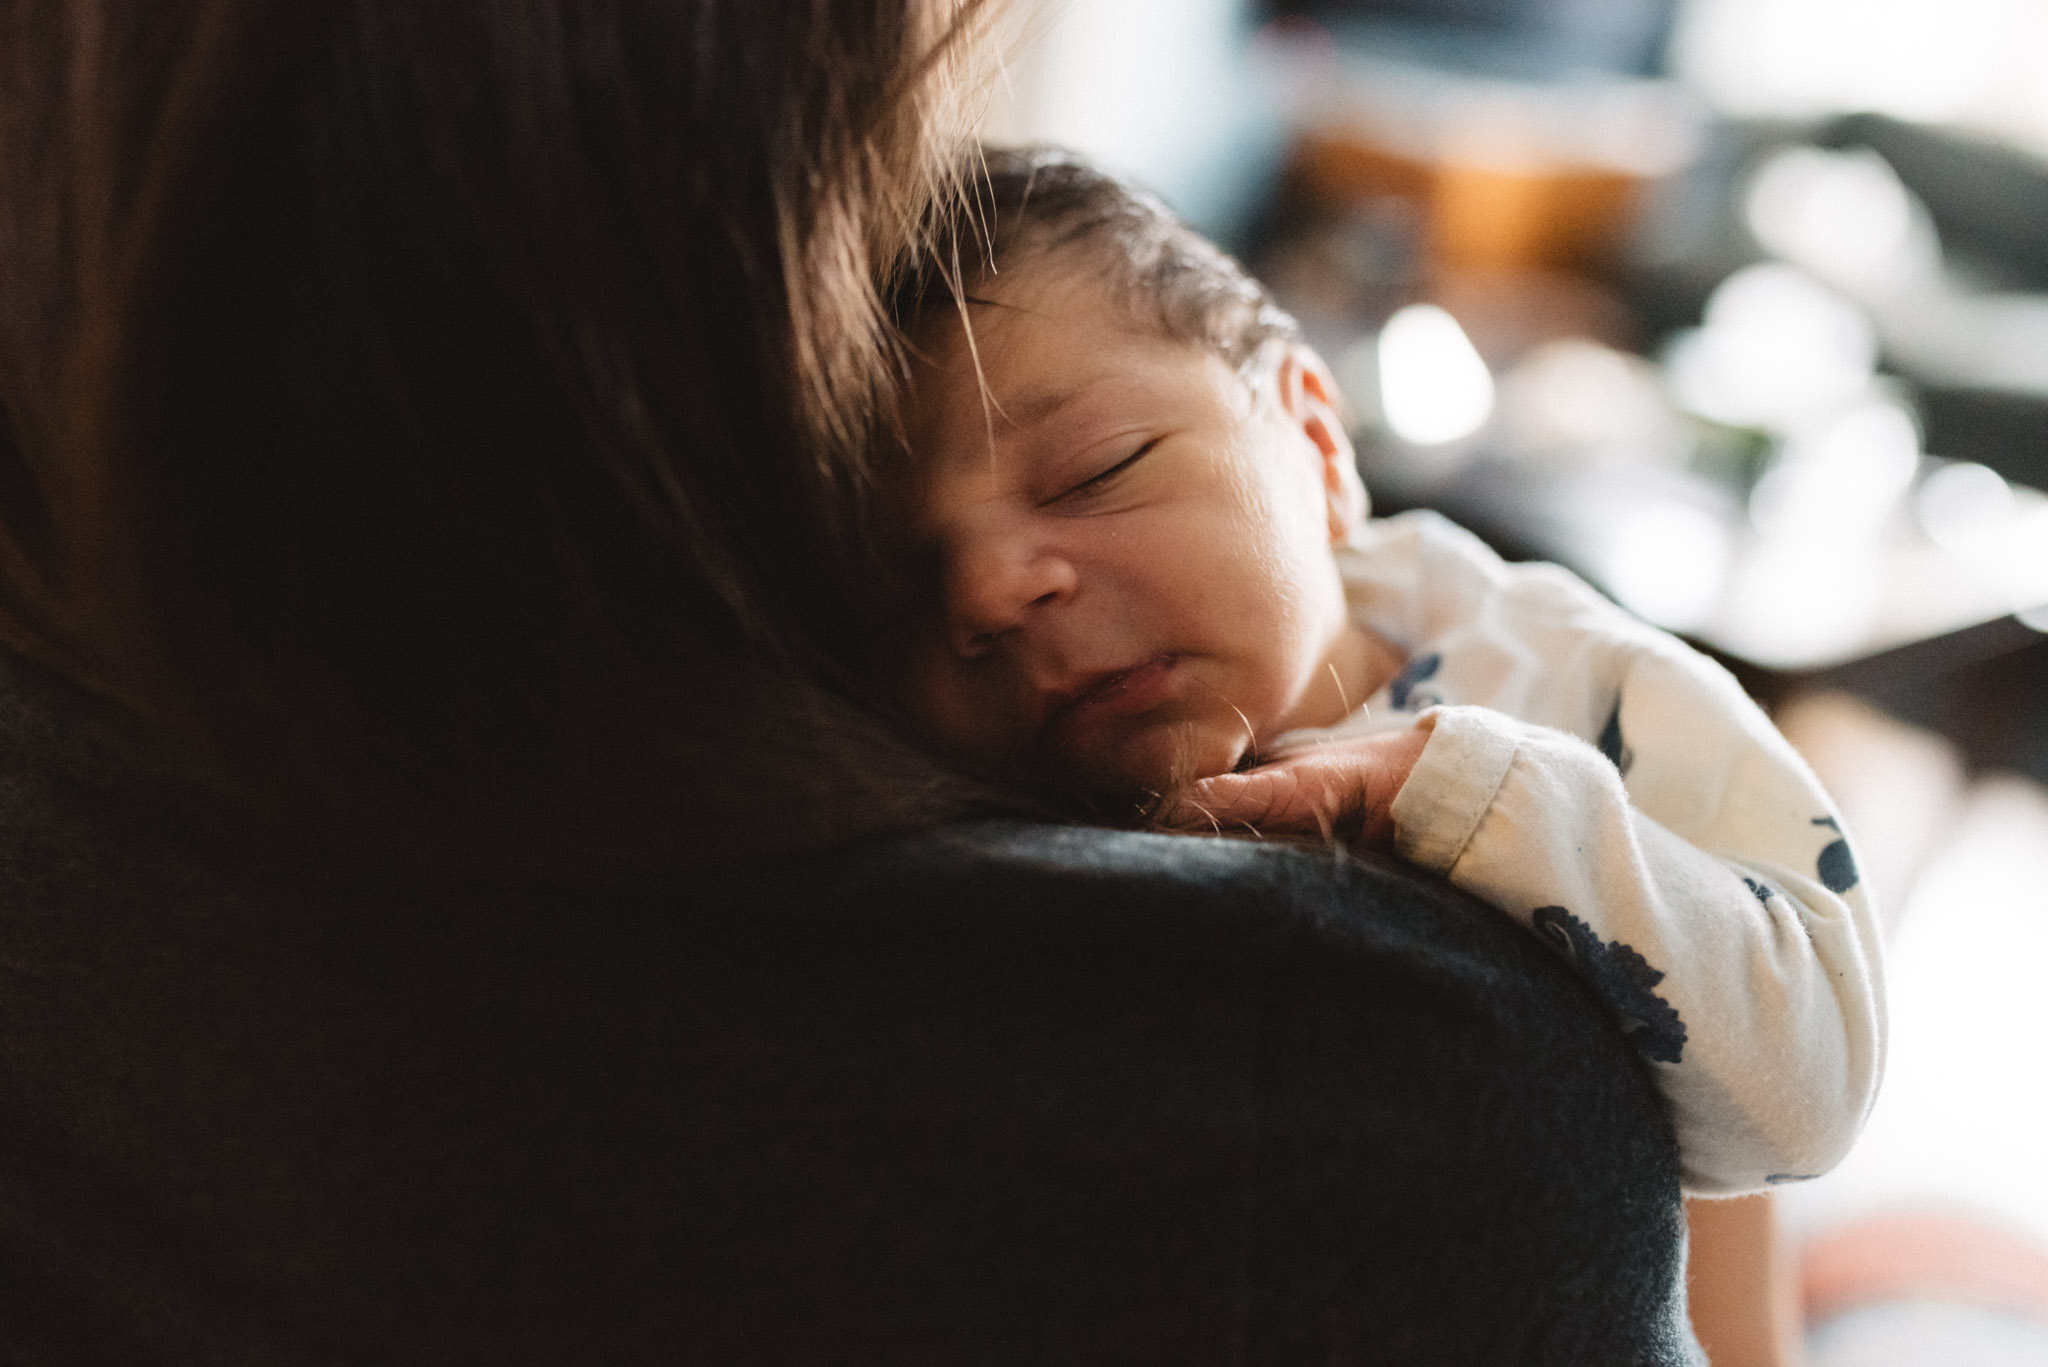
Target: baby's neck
1359, 663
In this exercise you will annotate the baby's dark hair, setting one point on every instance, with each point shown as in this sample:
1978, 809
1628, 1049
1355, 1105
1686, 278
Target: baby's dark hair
1027, 204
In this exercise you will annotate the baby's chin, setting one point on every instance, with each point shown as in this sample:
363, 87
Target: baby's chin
1154, 764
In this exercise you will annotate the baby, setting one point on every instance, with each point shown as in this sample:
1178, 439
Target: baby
1152, 578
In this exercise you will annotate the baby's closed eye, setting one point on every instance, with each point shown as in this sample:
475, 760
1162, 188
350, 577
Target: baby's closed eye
1102, 480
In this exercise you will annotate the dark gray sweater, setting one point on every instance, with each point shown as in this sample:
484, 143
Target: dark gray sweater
994, 1094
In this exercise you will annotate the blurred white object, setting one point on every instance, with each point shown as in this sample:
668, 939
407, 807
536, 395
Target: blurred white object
1978, 63
2023, 553
1668, 564
1577, 399
1434, 388
1845, 217
1998, 531
1795, 604
1961, 505
1776, 348
1841, 481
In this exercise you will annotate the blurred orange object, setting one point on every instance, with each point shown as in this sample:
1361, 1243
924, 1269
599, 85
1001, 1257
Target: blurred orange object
1478, 217
1941, 1255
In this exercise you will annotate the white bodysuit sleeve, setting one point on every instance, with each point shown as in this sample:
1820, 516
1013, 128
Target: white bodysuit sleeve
1671, 845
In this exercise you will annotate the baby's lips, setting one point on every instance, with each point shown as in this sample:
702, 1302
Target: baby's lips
1076, 718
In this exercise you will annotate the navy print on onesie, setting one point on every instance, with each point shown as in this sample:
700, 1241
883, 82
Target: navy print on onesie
1837, 866
1611, 744
1402, 689
1621, 979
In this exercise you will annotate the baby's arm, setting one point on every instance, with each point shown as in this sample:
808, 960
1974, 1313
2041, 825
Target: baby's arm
1741, 961
1707, 896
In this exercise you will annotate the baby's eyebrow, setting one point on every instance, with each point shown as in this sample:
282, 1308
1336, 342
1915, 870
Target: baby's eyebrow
1035, 406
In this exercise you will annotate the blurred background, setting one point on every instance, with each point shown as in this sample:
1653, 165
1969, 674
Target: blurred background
1739, 308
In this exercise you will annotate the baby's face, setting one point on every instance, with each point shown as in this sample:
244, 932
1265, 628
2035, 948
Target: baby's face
1132, 553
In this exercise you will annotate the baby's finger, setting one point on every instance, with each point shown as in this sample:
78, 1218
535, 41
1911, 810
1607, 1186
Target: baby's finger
1288, 798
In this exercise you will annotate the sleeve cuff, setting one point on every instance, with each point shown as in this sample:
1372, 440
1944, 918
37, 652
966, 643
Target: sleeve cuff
1462, 766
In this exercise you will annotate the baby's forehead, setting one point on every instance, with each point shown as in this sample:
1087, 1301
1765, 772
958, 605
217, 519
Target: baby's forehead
1033, 342
1061, 291
1087, 281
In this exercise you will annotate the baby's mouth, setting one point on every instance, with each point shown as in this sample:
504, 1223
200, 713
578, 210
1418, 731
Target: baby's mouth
1078, 716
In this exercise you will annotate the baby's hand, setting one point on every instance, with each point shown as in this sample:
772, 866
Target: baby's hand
1342, 790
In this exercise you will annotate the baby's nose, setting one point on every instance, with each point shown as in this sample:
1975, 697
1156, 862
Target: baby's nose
991, 591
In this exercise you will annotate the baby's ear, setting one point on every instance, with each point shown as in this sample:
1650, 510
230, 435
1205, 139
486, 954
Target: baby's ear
1308, 395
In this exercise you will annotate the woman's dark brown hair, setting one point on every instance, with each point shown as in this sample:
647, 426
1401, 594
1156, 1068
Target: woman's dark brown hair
447, 420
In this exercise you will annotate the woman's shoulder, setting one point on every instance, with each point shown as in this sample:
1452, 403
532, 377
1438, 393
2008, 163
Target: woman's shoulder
1405, 1102
927, 1092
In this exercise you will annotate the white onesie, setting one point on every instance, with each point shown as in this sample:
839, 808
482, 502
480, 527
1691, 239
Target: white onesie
1618, 793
